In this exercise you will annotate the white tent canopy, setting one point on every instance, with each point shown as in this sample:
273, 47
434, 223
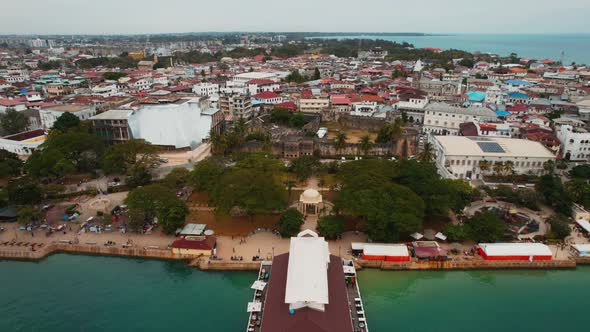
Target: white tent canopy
307, 272
258, 285
392, 250
254, 306
440, 236
417, 236
584, 224
515, 249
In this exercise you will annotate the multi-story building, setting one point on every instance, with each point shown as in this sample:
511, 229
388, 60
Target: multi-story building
438, 90
444, 119
575, 143
460, 157
206, 89
313, 105
50, 114
235, 106
112, 126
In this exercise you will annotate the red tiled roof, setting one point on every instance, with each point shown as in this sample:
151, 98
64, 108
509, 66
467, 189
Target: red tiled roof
261, 81
208, 243
287, 105
266, 95
276, 316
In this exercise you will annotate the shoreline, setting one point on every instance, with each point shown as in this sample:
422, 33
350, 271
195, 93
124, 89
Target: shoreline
205, 264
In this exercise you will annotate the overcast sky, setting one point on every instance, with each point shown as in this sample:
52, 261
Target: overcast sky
433, 16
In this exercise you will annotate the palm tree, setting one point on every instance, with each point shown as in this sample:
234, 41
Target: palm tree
218, 143
484, 166
365, 144
427, 154
498, 167
549, 166
508, 167
340, 141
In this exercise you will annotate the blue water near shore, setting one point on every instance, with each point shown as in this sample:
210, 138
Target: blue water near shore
91, 293
576, 47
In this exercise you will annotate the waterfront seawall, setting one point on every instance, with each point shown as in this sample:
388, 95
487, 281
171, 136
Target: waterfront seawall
214, 265
469, 265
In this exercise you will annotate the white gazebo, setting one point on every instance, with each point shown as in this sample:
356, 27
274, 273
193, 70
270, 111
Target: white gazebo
310, 202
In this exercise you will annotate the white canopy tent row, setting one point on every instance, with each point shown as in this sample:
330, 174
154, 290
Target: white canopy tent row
258, 285
254, 306
307, 272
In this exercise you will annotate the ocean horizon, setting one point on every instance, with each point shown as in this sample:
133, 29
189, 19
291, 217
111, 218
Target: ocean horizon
575, 46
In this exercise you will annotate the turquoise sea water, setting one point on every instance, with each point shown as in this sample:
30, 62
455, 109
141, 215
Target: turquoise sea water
576, 47
87, 293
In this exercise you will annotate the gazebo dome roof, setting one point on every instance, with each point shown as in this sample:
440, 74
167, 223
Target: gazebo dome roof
310, 196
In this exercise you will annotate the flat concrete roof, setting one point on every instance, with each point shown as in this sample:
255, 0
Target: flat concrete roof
67, 108
467, 146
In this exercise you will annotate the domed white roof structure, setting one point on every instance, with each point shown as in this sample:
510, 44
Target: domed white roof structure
310, 196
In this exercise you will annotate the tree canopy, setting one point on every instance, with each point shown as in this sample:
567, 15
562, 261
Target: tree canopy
485, 227
156, 201
290, 223
331, 227
13, 122
206, 174
66, 121
10, 164
120, 158
252, 185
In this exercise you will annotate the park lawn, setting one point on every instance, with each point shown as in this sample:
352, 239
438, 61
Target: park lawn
227, 225
353, 135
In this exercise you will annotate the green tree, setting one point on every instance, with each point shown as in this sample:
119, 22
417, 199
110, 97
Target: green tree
66, 121
155, 201
331, 227
13, 122
498, 167
579, 191
455, 233
484, 166
304, 166
290, 223
177, 178
340, 142
296, 77
120, 158
27, 215
252, 185
581, 171
554, 193
55, 156
316, 74
486, 227
23, 191
10, 164
113, 76
390, 132
365, 144
427, 153
139, 175
206, 174
560, 228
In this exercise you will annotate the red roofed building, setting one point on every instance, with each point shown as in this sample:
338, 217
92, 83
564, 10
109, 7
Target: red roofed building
289, 105
268, 97
194, 246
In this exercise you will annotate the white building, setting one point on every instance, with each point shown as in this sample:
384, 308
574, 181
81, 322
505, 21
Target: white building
105, 90
460, 157
364, 108
49, 115
206, 89
313, 105
444, 119
575, 143
178, 125
307, 274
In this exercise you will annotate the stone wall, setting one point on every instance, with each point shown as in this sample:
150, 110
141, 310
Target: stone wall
469, 265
